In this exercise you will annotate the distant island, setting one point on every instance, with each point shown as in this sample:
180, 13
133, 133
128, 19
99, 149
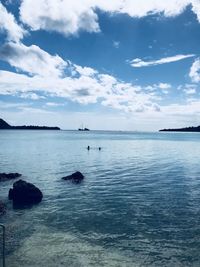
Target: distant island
5, 126
187, 129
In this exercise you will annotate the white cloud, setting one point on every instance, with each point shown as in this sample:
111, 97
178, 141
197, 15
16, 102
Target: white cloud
56, 77
32, 59
32, 96
164, 86
138, 63
10, 105
190, 91
196, 8
69, 17
83, 89
116, 44
31, 110
195, 71
140, 8
188, 109
85, 71
64, 16
8, 23
54, 104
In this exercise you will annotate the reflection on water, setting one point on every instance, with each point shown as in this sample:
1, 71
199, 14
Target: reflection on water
139, 204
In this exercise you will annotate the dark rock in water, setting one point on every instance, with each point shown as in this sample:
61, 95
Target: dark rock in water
75, 177
24, 193
10, 194
2, 208
8, 176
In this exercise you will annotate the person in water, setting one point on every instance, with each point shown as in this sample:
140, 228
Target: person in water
88, 148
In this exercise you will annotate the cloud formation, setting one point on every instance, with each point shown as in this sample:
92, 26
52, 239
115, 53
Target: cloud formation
32, 59
84, 89
138, 63
66, 17
42, 73
164, 86
195, 71
14, 31
70, 17
52, 75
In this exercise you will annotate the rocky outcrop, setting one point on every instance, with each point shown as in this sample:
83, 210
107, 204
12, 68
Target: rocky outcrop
2, 208
8, 176
24, 193
75, 177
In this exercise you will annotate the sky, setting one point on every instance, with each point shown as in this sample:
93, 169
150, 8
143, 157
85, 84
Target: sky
131, 65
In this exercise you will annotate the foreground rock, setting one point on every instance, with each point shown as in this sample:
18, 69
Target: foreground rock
8, 176
75, 177
2, 208
24, 193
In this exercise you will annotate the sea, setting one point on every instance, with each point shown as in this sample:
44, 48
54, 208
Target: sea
138, 205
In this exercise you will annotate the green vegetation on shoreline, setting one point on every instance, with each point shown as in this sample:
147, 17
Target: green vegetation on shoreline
187, 129
5, 126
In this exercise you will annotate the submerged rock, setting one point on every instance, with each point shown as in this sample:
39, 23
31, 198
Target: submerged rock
24, 193
75, 177
8, 176
2, 208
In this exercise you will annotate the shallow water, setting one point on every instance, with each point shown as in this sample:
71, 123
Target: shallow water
139, 204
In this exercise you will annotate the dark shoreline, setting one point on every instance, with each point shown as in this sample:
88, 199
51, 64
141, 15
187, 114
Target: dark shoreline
187, 129
5, 126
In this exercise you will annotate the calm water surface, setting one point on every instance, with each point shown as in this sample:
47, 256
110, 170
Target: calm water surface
139, 204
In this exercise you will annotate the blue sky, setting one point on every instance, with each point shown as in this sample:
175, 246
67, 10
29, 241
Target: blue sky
118, 65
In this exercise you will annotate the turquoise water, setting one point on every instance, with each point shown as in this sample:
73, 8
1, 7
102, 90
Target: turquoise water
139, 204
